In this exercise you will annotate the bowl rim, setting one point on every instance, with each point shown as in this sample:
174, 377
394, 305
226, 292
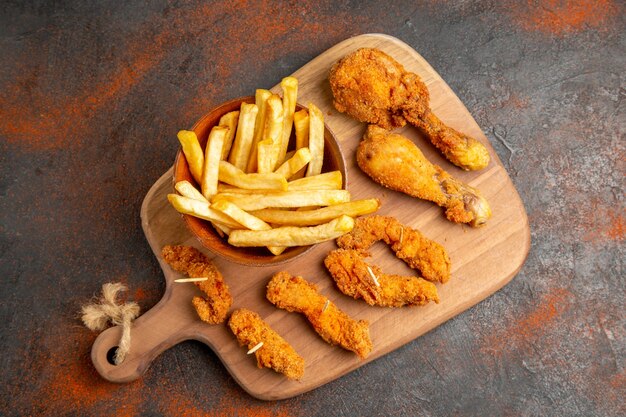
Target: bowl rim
209, 234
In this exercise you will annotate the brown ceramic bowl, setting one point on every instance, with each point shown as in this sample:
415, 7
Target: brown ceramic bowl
203, 230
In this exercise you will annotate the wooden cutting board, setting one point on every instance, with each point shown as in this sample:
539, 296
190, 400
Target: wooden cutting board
483, 260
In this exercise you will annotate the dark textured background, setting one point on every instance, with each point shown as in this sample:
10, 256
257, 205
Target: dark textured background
92, 94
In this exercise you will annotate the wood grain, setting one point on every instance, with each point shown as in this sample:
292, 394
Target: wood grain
483, 260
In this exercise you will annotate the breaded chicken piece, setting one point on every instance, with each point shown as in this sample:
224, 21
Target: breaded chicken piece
275, 353
395, 162
419, 252
372, 87
336, 327
213, 307
355, 278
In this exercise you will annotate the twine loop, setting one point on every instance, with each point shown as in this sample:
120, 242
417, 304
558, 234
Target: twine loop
98, 314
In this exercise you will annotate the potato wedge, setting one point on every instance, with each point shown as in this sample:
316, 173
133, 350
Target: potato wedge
286, 199
290, 94
260, 98
201, 210
232, 175
229, 120
294, 164
316, 140
318, 216
193, 153
186, 189
242, 145
292, 236
213, 153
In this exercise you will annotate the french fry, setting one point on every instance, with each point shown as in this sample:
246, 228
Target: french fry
294, 164
318, 216
230, 121
221, 229
230, 174
265, 154
242, 145
316, 140
269, 147
186, 189
213, 153
292, 236
301, 124
327, 181
290, 94
285, 199
245, 219
260, 99
193, 153
201, 210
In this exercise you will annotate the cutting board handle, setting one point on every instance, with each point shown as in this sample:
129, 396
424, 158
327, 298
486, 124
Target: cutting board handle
154, 332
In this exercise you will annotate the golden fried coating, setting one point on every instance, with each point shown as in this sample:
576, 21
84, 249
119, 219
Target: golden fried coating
355, 278
275, 353
336, 327
395, 162
372, 87
419, 252
213, 307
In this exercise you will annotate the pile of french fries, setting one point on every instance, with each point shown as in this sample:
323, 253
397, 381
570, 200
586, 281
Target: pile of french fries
256, 192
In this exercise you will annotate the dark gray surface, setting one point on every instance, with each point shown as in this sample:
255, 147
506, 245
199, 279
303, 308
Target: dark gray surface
93, 93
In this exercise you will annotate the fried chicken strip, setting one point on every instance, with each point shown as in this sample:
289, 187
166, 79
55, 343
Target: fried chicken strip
295, 294
213, 307
372, 87
274, 353
395, 162
355, 278
419, 252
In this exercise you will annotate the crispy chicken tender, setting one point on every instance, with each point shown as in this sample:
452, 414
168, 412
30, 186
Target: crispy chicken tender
355, 278
275, 353
372, 87
333, 325
419, 252
395, 162
214, 306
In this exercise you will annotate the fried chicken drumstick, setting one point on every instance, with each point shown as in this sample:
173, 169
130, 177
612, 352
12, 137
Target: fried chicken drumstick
355, 278
333, 325
274, 352
213, 307
372, 87
419, 252
395, 162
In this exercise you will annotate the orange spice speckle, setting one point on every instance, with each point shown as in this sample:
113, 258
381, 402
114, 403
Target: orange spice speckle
532, 326
603, 223
616, 229
45, 119
560, 17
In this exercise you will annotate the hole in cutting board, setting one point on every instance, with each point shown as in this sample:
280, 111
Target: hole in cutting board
111, 355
